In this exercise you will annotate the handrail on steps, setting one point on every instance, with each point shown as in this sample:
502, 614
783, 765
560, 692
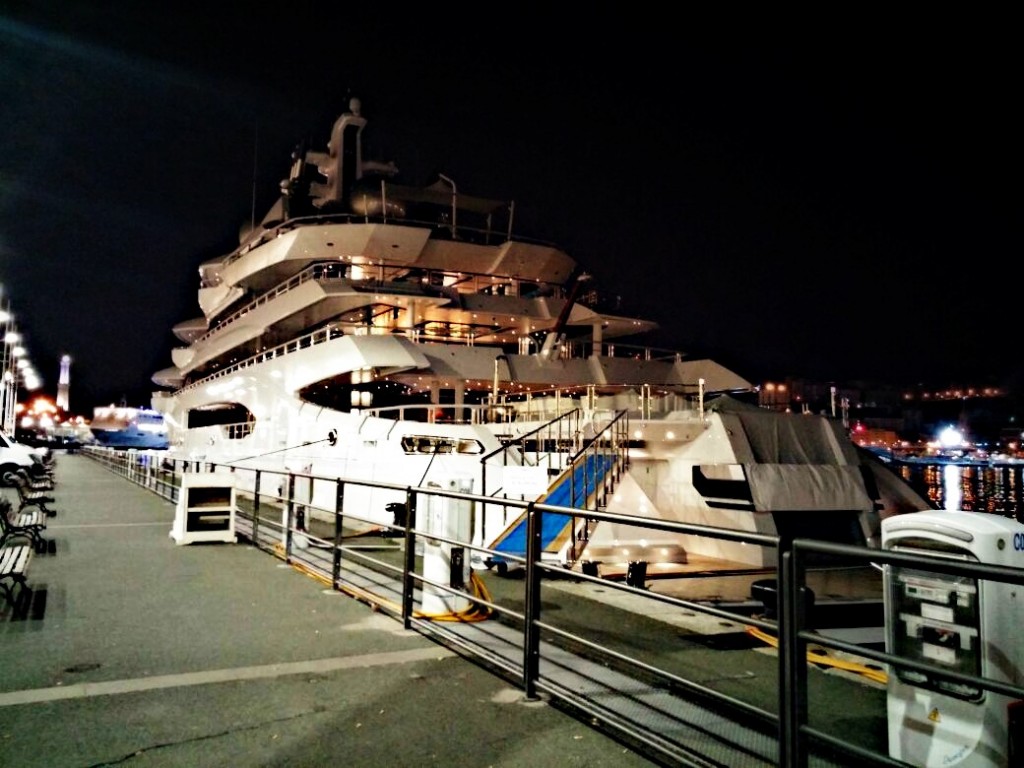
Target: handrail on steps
587, 479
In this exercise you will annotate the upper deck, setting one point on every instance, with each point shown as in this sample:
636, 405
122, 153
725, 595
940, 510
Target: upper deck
377, 249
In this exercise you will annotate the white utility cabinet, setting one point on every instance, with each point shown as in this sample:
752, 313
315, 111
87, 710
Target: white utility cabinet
206, 508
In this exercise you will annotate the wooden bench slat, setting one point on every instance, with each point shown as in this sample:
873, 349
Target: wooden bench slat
14, 562
14, 559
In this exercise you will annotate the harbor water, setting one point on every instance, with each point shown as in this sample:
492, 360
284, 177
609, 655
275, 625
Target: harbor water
995, 488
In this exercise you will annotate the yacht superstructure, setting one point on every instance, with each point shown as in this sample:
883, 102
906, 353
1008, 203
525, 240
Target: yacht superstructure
372, 330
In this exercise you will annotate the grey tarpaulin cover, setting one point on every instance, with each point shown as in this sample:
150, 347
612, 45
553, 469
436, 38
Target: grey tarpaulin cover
794, 461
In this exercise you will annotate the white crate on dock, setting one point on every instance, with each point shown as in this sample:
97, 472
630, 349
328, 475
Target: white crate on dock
206, 508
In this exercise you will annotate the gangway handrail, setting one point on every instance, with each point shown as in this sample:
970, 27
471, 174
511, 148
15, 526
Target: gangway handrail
619, 451
520, 441
531, 433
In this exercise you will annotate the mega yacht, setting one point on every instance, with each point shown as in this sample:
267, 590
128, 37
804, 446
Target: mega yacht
370, 330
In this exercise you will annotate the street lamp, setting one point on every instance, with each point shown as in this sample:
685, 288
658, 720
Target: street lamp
15, 369
8, 371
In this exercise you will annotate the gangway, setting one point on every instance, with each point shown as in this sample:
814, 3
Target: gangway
589, 478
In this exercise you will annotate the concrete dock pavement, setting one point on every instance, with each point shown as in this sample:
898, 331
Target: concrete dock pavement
137, 651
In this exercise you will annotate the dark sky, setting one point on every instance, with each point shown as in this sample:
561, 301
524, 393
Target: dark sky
815, 197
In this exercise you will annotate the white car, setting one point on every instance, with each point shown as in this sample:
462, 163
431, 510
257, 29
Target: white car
15, 456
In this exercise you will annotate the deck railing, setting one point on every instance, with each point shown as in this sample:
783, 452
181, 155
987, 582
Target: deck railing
386, 569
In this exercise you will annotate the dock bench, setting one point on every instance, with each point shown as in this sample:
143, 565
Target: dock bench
14, 562
25, 526
29, 498
34, 481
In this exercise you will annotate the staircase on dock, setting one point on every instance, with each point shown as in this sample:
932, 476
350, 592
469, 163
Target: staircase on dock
589, 477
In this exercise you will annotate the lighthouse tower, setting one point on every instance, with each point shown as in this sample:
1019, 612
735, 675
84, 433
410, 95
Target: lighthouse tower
63, 383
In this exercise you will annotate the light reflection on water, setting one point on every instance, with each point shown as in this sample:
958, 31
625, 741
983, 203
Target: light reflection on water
975, 488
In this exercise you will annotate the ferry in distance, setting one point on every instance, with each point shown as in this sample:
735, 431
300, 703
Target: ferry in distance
129, 428
372, 330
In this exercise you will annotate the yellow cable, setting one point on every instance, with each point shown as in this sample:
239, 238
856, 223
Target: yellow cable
475, 612
817, 655
311, 573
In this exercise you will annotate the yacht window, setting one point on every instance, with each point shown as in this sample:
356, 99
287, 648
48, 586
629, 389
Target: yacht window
437, 444
225, 413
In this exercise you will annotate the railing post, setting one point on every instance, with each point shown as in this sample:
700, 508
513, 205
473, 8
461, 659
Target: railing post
623, 444
531, 633
176, 481
256, 508
589, 483
339, 506
572, 485
408, 583
792, 615
289, 518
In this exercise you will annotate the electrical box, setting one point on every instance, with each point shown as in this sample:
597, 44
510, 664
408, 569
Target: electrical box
444, 557
958, 624
206, 508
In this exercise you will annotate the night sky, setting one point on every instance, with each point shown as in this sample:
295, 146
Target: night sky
827, 198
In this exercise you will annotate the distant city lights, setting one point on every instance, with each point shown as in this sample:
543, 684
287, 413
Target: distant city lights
955, 394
